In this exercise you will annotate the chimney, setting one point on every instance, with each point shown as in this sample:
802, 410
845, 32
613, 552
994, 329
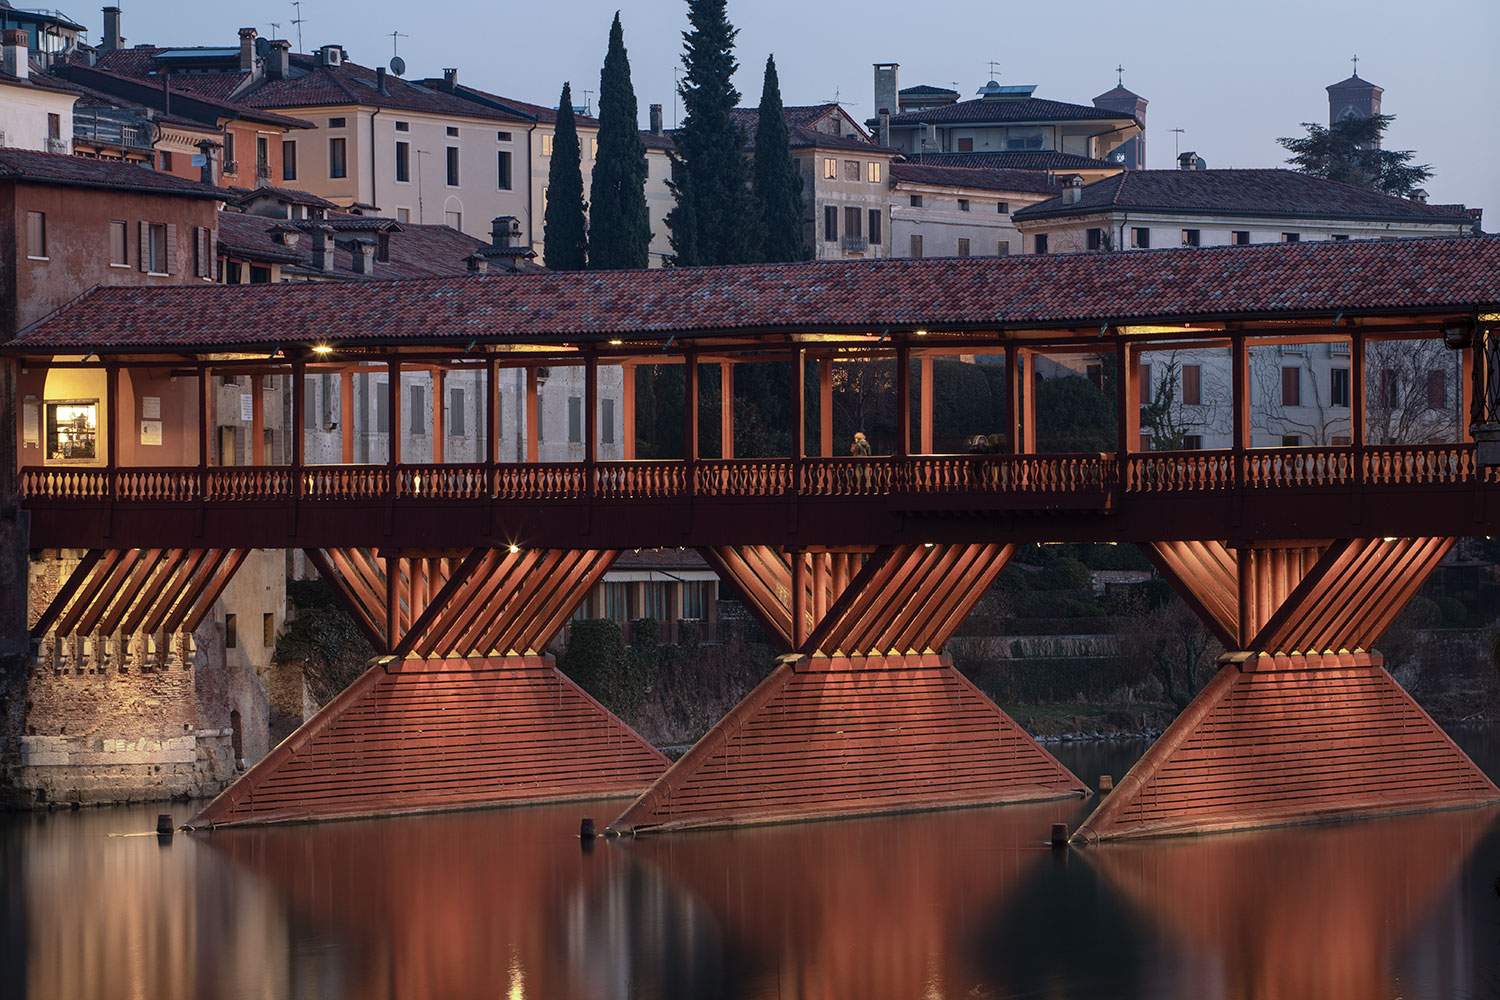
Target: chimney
887, 88
287, 236
477, 264
450, 79
656, 119
113, 40
503, 229
279, 60
247, 49
207, 174
364, 257
1073, 190
322, 248
1419, 195
16, 62
885, 126
380, 80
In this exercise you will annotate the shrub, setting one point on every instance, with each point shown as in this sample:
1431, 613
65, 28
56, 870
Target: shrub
1453, 611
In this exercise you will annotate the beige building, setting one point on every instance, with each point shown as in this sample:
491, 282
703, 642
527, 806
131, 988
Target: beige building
960, 212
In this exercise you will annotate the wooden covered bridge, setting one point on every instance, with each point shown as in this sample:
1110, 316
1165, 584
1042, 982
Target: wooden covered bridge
861, 568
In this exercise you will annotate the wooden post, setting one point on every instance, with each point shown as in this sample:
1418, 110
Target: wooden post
112, 430
591, 410
533, 403
439, 428
627, 412
1012, 400
299, 422
393, 414
690, 408
1239, 393
903, 400
799, 417
491, 413
1127, 403
1247, 611
825, 407
392, 600
257, 420
726, 409
924, 396
1357, 398
799, 598
1464, 393
346, 417
1026, 365
205, 381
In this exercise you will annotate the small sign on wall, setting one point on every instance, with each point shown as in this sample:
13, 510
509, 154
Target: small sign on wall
150, 407
150, 432
247, 406
31, 424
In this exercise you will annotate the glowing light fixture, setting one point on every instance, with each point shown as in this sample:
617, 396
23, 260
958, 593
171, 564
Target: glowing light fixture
513, 548
616, 343
322, 349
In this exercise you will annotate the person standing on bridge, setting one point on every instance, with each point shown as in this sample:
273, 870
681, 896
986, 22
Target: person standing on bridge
860, 449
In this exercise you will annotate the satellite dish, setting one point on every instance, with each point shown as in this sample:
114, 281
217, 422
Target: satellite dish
398, 65
262, 46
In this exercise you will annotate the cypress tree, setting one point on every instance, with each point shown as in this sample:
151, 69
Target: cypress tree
714, 221
620, 226
563, 228
778, 182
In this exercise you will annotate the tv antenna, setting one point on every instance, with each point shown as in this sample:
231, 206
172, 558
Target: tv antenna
395, 35
1177, 141
275, 26
994, 69
588, 103
298, 22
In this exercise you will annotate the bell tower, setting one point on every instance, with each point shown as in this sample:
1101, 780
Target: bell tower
1353, 98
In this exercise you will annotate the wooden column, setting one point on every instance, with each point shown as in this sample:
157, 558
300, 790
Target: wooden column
299, 421
1357, 397
533, 438
392, 601
205, 381
726, 409
439, 427
1012, 400
1127, 403
1464, 394
799, 598
257, 420
627, 412
393, 414
924, 395
825, 407
112, 429
491, 413
799, 416
1026, 378
690, 408
903, 400
591, 409
346, 417
1239, 392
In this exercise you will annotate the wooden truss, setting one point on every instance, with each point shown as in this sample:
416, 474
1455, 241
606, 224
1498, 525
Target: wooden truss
463, 602
139, 591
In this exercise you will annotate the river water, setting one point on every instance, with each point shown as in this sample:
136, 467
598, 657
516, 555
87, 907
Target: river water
965, 904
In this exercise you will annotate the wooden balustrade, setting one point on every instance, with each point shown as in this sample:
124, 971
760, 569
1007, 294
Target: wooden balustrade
933, 475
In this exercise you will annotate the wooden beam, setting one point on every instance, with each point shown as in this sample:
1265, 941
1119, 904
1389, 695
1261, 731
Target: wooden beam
491, 413
65, 593
439, 424
533, 404
257, 420
591, 409
924, 404
690, 409
393, 414
627, 412
726, 409
825, 407
903, 401
346, 417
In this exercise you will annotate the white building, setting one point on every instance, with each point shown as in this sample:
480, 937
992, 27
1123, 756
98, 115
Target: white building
36, 108
960, 211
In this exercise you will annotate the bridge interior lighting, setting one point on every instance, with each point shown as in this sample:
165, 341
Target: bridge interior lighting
921, 333
513, 548
926, 545
1390, 538
322, 349
616, 343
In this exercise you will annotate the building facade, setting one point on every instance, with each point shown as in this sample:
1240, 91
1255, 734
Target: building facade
958, 211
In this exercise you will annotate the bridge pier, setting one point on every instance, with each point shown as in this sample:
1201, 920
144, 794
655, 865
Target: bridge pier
462, 710
865, 716
1302, 723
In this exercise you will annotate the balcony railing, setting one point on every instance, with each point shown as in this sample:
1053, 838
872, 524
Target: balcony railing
1082, 476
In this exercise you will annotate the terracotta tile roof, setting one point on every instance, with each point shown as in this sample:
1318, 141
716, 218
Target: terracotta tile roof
664, 559
312, 85
39, 79
1029, 181
1280, 193
1084, 289
195, 99
289, 195
24, 165
249, 236
415, 251
1029, 109
663, 141
1041, 159
523, 110
801, 136
927, 90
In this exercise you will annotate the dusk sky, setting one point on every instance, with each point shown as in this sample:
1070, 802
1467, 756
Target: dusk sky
1234, 76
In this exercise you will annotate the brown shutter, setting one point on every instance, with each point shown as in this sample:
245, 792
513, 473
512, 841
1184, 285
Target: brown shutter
145, 259
213, 255
200, 250
174, 259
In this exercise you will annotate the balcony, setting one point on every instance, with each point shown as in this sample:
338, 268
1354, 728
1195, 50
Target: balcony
855, 244
119, 133
262, 170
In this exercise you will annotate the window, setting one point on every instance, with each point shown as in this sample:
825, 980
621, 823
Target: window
1340, 236
875, 234
575, 419
1291, 386
502, 169
963, 247
502, 137
1390, 388
231, 632
617, 601
830, 224
335, 123
337, 165
119, 244
268, 630
1039, 243
203, 252
830, 169
54, 126
1003, 207
963, 204
1002, 249
607, 421
1143, 384
73, 430
1192, 385
916, 246
288, 160
916, 201
1140, 237
403, 161
230, 166
852, 227
416, 398
1094, 239
1291, 237
403, 126
547, 144
1291, 440
36, 235
1190, 237
1338, 387
1437, 390
851, 170
262, 156
382, 407
155, 238
1240, 237
872, 172
454, 220
403, 215
1343, 439
1192, 442
453, 166
164, 161
966, 145
383, 247
694, 600
453, 131
455, 417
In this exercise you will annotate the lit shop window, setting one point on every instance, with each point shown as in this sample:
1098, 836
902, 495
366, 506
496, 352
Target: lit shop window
73, 430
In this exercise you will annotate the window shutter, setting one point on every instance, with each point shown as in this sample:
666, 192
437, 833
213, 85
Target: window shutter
174, 260
213, 255
200, 249
145, 257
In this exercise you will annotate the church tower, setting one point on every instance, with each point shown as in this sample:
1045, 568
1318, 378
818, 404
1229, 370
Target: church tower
1133, 153
1353, 98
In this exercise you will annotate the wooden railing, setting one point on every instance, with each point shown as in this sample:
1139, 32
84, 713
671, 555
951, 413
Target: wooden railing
925, 475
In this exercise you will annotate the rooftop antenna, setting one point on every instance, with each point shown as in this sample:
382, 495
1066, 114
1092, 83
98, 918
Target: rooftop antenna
994, 70
275, 26
398, 66
298, 22
1177, 141
588, 103
676, 83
